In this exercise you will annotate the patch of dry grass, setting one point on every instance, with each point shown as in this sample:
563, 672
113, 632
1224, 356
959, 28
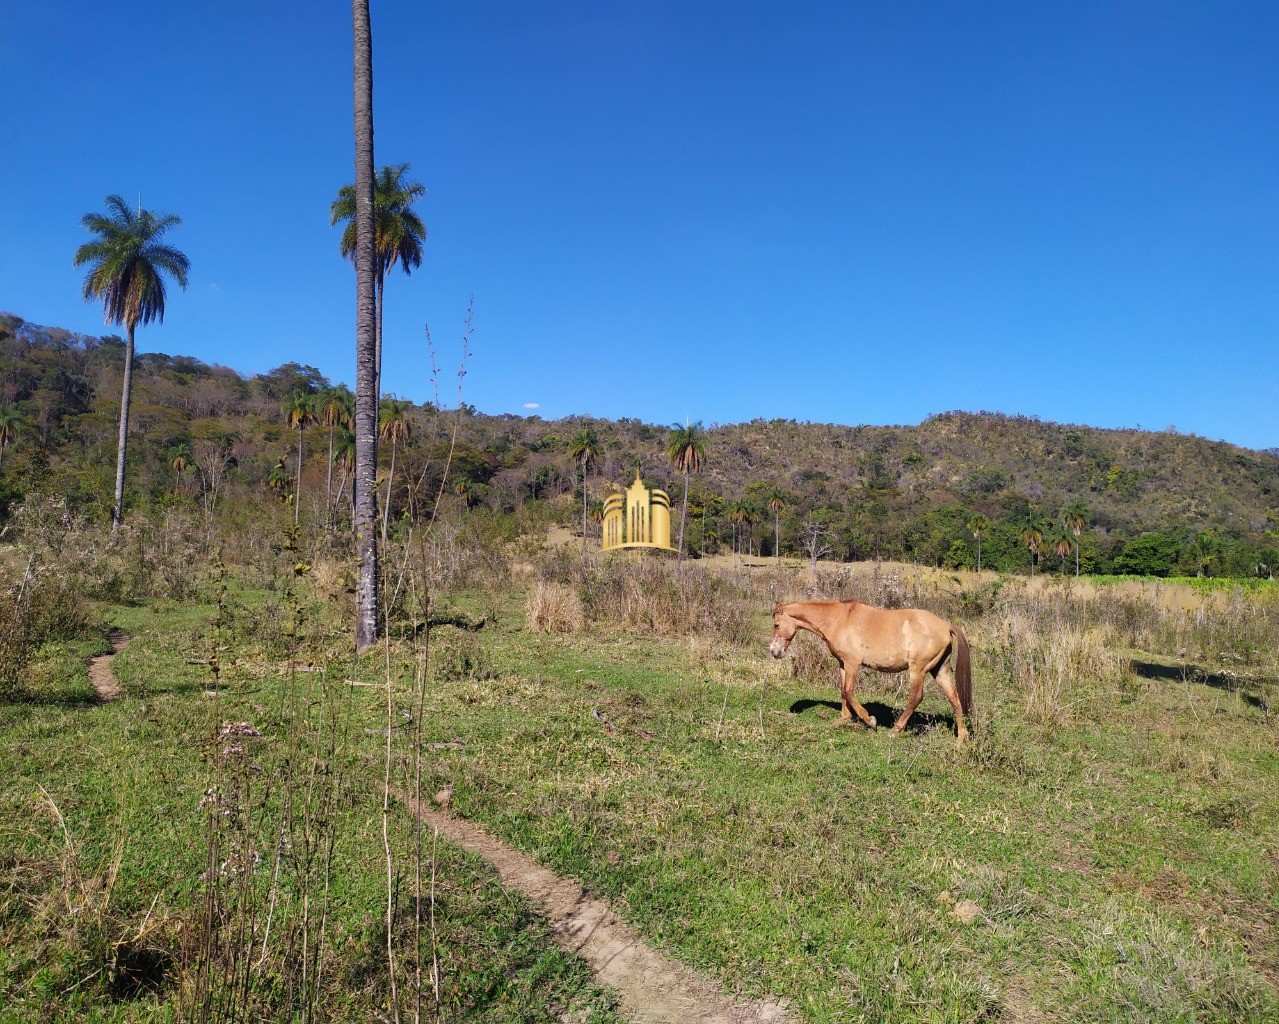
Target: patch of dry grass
553, 608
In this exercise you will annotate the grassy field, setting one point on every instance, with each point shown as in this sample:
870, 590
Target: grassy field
1103, 850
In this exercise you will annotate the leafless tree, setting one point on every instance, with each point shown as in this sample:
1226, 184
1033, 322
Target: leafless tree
816, 536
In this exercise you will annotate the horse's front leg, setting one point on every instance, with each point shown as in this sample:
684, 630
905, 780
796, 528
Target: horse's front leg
847, 691
845, 712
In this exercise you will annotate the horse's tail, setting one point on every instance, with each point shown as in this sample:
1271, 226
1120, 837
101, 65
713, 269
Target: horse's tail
963, 672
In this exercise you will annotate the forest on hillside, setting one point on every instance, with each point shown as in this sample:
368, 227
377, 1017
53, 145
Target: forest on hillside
1017, 493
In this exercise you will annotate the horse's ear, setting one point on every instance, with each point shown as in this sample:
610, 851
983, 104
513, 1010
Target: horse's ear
777, 608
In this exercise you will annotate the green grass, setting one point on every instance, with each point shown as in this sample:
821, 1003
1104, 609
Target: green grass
1123, 862
128, 779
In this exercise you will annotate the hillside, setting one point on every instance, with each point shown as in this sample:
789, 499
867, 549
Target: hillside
203, 432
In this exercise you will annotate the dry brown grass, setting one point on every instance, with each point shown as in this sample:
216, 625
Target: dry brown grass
554, 608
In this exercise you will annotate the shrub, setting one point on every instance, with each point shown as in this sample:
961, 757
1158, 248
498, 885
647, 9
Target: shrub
459, 657
554, 608
38, 606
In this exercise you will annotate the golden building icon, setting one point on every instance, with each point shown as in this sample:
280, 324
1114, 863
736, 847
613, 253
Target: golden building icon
639, 518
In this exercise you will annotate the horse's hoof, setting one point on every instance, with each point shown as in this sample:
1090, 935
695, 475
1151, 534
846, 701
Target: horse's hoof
873, 723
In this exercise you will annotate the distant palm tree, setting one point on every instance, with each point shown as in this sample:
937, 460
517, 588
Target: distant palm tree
8, 428
777, 502
398, 232
751, 518
1033, 538
736, 511
335, 407
1075, 523
278, 478
977, 526
298, 415
1061, 548
179, 457
344, 456
1206, 550
127, 264
394, 427
685, 448
467, 490
582, 447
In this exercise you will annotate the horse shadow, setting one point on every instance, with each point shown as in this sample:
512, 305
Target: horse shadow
1197, 674
55, 699
884, 714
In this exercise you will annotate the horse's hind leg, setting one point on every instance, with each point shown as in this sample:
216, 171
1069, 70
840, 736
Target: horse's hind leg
946, 680
916, 695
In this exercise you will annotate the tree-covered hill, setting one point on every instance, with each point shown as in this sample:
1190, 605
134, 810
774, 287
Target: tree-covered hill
211, 438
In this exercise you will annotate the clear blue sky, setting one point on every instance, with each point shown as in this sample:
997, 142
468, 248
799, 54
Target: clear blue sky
848, 212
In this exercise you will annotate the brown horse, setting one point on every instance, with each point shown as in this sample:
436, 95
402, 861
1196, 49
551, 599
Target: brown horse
889, 640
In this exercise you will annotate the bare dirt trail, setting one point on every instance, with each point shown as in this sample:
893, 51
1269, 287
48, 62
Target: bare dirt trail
100, 674
654, 989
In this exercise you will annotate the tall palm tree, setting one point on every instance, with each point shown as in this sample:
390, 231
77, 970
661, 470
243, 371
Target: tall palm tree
1033, 538
298, 414
1075, 524
582, 447
127, 262
8, 428
751, 518
364, 512
395, 427
334, 408
777, 502
736, 510
978, 525
685, 448
398, 231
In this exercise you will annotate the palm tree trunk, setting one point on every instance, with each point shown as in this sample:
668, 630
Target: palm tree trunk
297, 500
126, 392
390, 479
1076, 556
378, 286
583, 508
777, 538
979, 552
366, 382
341, 493
328, 485
682, 517
410, 490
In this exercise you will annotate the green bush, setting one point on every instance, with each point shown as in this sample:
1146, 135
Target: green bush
37, 606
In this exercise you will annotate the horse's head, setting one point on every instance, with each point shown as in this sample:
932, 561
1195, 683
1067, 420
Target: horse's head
784, 628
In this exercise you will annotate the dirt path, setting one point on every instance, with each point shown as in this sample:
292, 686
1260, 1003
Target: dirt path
100, 674
654, 990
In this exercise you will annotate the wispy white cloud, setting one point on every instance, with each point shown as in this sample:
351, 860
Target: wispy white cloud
532, 405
